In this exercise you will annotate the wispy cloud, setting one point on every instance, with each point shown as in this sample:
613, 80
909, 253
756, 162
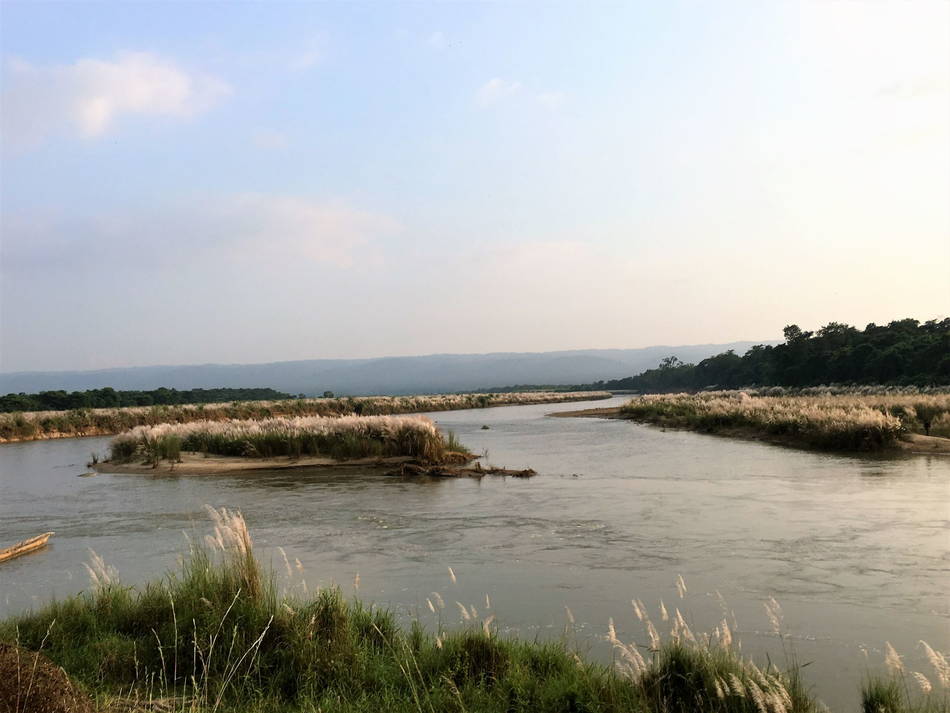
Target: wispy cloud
915, 87
551, 100
437, 41
308, 56
270, 139
262, 229
88, 97
495, 90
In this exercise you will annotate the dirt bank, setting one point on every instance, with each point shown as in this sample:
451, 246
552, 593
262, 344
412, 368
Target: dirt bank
31, 683
613, 412
201, 464
924, 445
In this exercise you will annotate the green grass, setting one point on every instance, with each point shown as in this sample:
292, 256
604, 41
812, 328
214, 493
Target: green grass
217, 632
217, 635
899, 693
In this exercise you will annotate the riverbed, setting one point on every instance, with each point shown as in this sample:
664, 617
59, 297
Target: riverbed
856, 549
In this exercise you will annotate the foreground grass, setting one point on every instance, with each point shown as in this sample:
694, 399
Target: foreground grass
340, 438
839, 422
893, 695
217, 636
90, 422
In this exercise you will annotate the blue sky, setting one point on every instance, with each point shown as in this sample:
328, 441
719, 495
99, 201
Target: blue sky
237, 182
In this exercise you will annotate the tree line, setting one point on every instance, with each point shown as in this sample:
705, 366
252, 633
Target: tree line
904, 352
111, 398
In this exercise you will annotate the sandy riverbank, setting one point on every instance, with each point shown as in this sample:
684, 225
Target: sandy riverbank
201, 464
198, 464
613, 412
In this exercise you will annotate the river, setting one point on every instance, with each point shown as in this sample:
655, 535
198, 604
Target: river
855, 549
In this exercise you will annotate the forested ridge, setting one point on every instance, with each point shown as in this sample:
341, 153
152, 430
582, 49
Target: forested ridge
905, 352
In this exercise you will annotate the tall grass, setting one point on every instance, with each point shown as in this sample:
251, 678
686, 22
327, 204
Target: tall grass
821, 421
217, 635
340, 437
90, 422
904, 691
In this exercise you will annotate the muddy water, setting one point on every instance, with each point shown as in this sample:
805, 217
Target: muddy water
855, 549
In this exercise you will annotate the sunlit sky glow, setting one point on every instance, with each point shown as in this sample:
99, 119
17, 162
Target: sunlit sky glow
223, 182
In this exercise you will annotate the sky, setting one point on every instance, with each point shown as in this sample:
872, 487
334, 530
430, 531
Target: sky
188, 182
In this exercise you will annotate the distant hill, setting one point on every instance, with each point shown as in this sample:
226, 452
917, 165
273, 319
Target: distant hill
904, 352
389, 375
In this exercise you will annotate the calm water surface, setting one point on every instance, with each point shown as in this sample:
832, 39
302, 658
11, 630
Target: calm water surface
856, 549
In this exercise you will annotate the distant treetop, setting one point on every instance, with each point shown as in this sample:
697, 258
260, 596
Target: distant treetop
110, 398
904, 352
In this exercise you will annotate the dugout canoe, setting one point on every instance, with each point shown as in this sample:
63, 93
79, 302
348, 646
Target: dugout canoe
24, 547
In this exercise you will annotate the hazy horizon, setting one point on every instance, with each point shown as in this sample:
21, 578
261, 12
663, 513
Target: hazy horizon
409, 356
205, 183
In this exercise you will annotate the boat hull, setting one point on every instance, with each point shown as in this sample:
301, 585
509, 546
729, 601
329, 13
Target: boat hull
25, 547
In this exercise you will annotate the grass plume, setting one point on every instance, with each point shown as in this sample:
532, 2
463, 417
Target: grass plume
341, 437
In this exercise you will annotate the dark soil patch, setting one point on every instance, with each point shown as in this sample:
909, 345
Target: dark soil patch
31, 683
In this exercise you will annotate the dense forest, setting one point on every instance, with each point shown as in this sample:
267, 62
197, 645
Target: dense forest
110, 398
904, 352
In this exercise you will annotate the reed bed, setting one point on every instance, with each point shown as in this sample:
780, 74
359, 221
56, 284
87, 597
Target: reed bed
39, 425
843, 422
340, 438
217, 635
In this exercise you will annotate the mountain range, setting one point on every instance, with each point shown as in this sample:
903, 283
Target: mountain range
432, 373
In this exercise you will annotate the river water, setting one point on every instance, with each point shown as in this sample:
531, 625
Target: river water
855, 549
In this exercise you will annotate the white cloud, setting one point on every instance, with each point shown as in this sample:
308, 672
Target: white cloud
915, 87
248, 228
495, 90
437, 41
551, 100
270, 139
309, 56
89, 96
498, 89
277, 229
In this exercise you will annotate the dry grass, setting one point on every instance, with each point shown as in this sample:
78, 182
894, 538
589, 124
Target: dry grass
340, 437
848, 422
685, 671
89, 422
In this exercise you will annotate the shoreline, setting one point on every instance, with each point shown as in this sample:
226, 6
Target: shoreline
198, 464
909, 444
91, 423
